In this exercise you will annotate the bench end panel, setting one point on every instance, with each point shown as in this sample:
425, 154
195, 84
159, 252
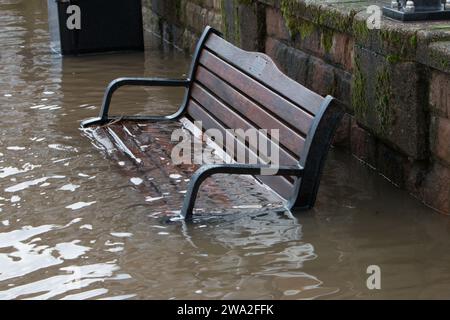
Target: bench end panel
315, 153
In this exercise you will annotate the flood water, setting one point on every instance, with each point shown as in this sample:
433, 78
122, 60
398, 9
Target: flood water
74, 226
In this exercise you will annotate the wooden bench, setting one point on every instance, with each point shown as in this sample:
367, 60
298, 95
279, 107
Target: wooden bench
230, 88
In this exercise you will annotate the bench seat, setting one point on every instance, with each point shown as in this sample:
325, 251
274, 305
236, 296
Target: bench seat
141, 149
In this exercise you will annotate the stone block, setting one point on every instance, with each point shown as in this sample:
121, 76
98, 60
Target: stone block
440, 93
321, 77
249, 31
437, 54
341, 51
440, 138
363, 144
168, 9
391, 164
388, 99
291, 61
342, 135
436, 189
196, 17
342, 86
276, 25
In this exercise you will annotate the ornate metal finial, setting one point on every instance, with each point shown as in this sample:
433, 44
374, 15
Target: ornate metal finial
410, 7
395, 4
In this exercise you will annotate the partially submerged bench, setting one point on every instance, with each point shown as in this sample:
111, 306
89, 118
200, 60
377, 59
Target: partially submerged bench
229, 88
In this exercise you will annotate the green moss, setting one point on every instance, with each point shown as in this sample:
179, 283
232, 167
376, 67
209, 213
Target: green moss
393, 58
359, 101
439, 59
337, 20
295, 24
224, 20
327, 39
413, 41
302, 18
231, 23
400, 42
289, 16
305, 28
288, 11
439, 27
383, 98
360, 30
391, 36
382, 111
307, 9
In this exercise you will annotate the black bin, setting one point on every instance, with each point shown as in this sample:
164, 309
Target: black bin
88, 26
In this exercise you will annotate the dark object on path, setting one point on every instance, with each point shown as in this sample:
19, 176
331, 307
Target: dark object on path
229, 88
89, 26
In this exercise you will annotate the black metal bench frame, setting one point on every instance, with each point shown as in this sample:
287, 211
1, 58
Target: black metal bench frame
312, 159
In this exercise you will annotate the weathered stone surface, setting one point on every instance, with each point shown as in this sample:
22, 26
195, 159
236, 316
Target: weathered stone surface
198, 17
437, 55
363, 144
342, 50
388, 98
321, 77
440, 93
308, 37
150, 19
292, 61
436, 189
391, 40
391, 164
276, 25
342, 86
440, 138
334, 47
169, 9
342, 135
250, 28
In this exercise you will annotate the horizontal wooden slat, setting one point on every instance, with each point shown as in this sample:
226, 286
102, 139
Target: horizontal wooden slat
232, 120
285, 110
279, 184
262, 67
249, 109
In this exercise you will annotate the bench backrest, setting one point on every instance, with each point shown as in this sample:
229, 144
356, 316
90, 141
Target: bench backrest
232, 88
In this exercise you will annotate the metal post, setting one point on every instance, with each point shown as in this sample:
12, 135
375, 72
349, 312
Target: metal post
415, 10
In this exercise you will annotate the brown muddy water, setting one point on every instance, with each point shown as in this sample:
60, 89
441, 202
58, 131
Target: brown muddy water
73, 226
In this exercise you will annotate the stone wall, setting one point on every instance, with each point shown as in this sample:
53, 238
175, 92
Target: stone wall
395, 81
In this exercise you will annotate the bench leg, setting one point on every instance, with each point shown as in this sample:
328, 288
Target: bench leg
241, 169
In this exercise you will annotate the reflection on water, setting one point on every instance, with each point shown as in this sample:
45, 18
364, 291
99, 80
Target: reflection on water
74, 225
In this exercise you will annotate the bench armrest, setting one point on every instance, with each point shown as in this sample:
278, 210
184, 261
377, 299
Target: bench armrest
146, 82
242, 169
